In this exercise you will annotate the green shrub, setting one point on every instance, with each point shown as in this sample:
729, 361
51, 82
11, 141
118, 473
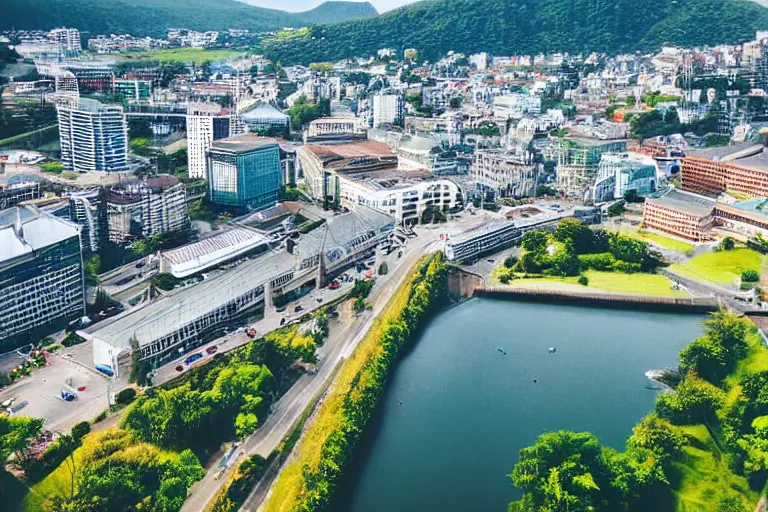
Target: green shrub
626, 267
583, 280
80, 430
600, 261
750, 276
728, 243
510, 261
125, 396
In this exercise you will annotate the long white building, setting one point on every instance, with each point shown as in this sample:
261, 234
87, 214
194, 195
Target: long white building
405, 200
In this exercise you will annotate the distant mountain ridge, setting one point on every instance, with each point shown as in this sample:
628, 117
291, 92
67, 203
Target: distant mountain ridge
337, 11
155, 17
505, 27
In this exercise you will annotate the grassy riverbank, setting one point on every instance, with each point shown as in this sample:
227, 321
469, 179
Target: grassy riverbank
720, 267
612, 282
666, 242
308, 482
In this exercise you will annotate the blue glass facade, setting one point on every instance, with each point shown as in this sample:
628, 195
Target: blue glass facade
245, 179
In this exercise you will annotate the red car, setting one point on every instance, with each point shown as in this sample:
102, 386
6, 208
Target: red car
212, 350
179, 368
334, 285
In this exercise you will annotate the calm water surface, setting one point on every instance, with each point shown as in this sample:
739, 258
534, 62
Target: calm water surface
468, 410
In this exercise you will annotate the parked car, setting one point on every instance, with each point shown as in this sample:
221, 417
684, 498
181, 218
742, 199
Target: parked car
194, 357
179, 368
335, 285
212, 350
282, 321
298, 308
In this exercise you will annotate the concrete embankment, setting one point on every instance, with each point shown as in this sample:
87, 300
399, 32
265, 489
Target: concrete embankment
607, 300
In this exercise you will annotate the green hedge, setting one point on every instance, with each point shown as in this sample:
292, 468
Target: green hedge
427, 291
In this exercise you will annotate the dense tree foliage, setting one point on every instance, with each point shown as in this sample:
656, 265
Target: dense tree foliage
577, 248
182, 415
113, 471
155, 17
502, 27
569, 471
302, 112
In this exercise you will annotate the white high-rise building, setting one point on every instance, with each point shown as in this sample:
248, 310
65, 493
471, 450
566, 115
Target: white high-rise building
387, 109
94, 136
206, 123
68, 39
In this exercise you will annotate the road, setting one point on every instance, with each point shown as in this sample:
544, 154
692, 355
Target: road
340, 344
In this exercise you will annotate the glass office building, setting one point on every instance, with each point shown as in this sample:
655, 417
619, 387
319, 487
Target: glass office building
244, 173
41, 275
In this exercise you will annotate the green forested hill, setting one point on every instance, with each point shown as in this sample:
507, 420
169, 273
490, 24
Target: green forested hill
531, 26
332, 12
154, 17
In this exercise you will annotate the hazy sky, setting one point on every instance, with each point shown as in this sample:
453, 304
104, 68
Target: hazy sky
303, 5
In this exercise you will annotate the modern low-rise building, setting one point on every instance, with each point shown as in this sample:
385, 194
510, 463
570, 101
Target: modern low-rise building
410, 200
320, 164
137, 209
682, 214
577, 159
489, 237
186, 318
94, 137
618, 173
214, 250
41, 275
742, 169
244, 172
15, 191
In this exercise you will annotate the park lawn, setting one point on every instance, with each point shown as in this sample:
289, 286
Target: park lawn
664, 241
196, 55
614, 282
720, 267
702, 474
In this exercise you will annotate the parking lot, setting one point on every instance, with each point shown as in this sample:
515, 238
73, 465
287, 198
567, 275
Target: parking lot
42, 392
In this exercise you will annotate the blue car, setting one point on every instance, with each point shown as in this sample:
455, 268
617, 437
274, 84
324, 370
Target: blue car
105, 369
67, 396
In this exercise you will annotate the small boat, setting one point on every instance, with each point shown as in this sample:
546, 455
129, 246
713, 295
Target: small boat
503, 352
552, 350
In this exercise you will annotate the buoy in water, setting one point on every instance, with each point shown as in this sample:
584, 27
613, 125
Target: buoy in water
401, 402
552, 350
535, 381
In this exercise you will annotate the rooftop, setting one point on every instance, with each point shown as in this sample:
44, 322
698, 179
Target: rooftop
361, 149
738, 152
264, 111
685, 202
196, 257
342, 230
181, 307
243, 143
24, 229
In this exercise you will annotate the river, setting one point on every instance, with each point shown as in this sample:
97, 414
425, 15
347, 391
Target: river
467, 409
